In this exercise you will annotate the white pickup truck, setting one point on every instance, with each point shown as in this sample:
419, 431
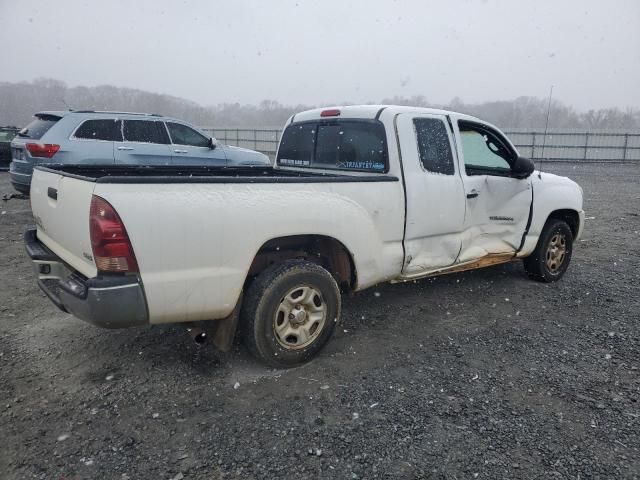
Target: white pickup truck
358, 195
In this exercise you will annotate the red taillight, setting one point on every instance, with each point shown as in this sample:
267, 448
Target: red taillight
110, 243
46, 150
334, 112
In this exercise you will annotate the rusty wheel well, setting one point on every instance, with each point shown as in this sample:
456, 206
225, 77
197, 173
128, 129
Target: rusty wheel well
323, 250
570, 217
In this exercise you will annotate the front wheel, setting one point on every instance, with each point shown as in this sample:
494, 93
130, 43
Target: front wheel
289, 313
550, 259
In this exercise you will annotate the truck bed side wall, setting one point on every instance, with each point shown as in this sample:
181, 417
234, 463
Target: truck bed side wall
195, 242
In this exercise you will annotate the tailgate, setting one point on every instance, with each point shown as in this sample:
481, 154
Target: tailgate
60, 208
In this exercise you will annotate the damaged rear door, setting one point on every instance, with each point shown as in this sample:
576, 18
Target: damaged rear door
434, 193
497, 204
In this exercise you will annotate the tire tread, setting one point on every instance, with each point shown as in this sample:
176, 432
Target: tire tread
534, 263
261, 288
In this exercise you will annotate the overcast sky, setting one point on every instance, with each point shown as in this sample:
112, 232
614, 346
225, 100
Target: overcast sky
328, 51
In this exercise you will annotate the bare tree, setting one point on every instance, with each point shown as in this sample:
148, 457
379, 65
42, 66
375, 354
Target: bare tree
19, 101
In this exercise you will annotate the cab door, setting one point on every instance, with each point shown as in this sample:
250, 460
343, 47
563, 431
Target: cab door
434, 193
497, 204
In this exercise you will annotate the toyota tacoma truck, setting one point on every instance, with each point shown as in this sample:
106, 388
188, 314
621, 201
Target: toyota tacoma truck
357, 196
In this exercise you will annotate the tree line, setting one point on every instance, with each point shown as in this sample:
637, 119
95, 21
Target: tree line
19, 101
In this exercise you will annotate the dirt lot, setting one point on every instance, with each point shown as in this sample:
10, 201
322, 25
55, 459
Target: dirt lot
478, 375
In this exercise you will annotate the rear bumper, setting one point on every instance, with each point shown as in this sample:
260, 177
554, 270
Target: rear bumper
20, 175
108, 301
5, 160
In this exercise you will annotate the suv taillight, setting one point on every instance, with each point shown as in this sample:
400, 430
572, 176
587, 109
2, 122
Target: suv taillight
110, 243
46, 150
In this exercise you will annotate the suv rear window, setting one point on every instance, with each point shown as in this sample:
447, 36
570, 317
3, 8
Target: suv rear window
37, 128
356, 145
109, 130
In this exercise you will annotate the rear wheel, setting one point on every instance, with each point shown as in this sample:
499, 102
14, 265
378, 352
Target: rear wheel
550, 259
290, 312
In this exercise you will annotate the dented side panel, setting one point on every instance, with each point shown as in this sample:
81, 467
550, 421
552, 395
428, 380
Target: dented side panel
552, 193
496, 219
435, 203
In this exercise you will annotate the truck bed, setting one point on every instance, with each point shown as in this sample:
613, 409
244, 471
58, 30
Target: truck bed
202, 174
195, 231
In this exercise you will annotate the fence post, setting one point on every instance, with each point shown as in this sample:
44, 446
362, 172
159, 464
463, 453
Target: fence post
586, 144
533, 146
624, 149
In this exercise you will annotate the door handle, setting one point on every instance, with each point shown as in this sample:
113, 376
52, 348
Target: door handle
52, 193
181, 151
472, 194
125, 148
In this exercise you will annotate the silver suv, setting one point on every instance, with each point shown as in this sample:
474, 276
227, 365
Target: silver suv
117, 138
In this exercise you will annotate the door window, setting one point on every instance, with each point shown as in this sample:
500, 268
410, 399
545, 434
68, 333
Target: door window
434, 145
484, 152
106, 129
145, 131
183, 135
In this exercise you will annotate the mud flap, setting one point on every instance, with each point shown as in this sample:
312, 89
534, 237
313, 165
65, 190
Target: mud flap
223, 331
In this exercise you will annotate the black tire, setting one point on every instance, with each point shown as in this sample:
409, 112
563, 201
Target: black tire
543, 265
275, 291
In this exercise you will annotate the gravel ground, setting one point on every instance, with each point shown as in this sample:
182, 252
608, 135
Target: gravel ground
483, 374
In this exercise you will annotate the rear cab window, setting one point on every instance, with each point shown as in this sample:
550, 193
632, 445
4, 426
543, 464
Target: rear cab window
348, 145
38, 127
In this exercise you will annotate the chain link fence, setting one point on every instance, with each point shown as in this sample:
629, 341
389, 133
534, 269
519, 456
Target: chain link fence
557, 145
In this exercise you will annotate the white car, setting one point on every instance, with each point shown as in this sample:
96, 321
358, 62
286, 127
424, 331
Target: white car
358, 195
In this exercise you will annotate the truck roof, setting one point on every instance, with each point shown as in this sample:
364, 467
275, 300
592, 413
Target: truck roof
370, 112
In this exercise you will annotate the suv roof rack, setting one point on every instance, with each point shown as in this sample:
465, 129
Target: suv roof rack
117, 113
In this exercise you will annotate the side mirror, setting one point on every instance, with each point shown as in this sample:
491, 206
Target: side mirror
522, 167
212, 143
